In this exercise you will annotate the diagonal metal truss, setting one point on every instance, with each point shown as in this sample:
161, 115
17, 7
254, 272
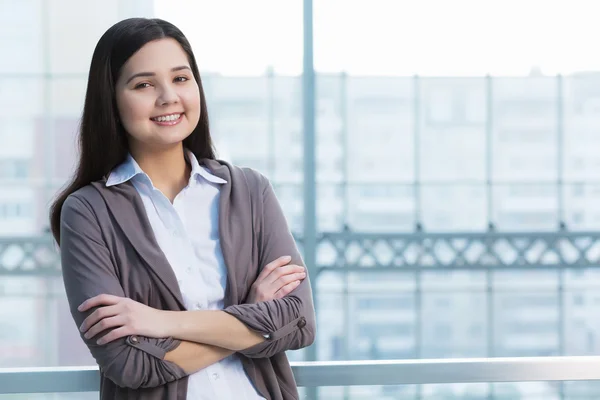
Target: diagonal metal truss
382, 251
466, 251
37, 255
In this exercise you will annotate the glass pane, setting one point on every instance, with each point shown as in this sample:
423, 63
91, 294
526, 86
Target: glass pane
21, 49
333, 339
287, 137
20, 210
331, 128
381, 207
69, 53
449, 332
582, 206
581, 390
248, 43
291, 201
22, 155
581, 327
454, 207
467, 391
524, 129
452, 129
581, 105
382, 335
332, 207
20, 98
526, 324
525, 207
239, 112
62, 127
380, 129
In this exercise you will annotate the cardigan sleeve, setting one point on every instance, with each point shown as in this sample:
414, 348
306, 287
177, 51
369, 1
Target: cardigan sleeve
287, 323
87, 269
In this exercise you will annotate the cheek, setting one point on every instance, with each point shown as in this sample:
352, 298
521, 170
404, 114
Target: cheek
192, 102
132, 109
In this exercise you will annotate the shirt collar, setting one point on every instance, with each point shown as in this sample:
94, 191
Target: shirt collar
199, 171
130, 168
124, 172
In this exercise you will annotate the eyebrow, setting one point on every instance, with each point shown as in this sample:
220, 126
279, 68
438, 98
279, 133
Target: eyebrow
147, 74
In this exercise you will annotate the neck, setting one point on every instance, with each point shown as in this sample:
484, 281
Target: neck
167, 168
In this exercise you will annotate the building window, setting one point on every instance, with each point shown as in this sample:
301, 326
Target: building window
14, 169
577, 217
386, 330
539, 327
15, 210
241, 108
385, 303
476, 331
578, 190
443, 331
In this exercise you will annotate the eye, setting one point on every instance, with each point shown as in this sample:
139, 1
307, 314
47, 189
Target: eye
142, 85
181, 79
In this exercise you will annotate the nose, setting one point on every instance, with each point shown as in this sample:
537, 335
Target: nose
168, 95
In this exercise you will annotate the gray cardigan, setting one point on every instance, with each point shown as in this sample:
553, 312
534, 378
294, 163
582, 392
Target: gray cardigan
108, 246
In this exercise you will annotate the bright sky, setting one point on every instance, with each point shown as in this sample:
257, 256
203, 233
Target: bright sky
392, 37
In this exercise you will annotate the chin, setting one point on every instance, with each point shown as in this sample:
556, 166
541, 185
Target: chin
167, 137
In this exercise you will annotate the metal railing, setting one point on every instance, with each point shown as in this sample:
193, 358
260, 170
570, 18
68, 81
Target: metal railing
346, 373
354, 251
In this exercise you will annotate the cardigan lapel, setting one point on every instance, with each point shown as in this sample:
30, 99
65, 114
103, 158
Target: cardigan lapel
220, 169
127, 208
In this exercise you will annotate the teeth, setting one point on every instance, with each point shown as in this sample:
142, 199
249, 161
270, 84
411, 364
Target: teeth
172, 117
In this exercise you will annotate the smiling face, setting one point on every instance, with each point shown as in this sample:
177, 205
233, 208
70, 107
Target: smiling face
158, 98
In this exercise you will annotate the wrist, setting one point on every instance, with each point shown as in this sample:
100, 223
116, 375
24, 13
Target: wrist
169, 322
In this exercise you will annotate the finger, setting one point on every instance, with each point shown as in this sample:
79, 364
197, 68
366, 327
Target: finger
98, 315
103, 325
285, 270
272, 266
286, 279
287, 289
100, 300
113, 335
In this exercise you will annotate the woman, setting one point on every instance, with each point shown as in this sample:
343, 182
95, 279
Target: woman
180, 270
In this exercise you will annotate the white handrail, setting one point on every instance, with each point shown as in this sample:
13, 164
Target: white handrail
346, 373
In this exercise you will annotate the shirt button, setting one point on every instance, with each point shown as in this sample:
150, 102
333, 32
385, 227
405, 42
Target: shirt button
215, 376
198, 306
302, 322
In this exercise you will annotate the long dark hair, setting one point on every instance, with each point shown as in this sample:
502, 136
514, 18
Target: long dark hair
102, 139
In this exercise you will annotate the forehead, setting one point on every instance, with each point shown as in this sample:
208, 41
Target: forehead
157, 56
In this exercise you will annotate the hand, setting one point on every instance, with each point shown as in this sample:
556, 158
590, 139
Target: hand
276, 280
128, 317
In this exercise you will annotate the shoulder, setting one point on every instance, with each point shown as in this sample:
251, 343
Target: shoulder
238, 176
85, 200
254, 178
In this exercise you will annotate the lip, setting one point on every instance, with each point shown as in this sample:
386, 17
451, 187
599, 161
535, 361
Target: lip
168, 123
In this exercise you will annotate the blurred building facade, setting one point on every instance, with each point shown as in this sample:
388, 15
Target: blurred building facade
394, 154
43, 72
449, 154
42, 86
